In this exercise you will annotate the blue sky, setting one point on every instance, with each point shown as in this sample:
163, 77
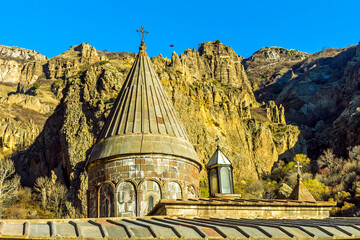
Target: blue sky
51, 27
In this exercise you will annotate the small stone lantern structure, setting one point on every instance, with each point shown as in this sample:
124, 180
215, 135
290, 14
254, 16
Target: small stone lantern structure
220, 175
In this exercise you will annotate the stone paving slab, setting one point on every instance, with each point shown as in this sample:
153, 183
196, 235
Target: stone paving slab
16, 229
64, 230
39, 230
160, 227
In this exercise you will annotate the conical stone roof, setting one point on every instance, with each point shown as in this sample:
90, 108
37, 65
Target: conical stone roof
300, 192
142, 120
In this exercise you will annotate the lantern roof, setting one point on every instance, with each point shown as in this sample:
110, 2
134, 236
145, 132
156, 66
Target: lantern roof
218, 158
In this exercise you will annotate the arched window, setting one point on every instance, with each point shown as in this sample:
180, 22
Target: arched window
173, 191
106, 204
190, 192
92, 202
150, 195
126, 200
107, 208
151, 203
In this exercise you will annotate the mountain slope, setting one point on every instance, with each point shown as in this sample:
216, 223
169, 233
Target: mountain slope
317, 93
209, 89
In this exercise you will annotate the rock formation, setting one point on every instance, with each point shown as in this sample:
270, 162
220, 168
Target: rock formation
19, 64
271, 65
275, 113
318, 91
68, 98
209, 89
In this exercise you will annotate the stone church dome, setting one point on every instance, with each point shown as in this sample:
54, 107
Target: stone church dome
142, 153
143, 120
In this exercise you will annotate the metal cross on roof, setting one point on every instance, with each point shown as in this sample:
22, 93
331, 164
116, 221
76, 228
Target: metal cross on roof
142, 33
217, 139
298, 166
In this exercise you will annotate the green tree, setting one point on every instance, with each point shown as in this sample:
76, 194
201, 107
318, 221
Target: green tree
317, 189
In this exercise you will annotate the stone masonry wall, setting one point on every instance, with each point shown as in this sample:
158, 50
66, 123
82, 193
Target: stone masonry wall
135, 184
264, 212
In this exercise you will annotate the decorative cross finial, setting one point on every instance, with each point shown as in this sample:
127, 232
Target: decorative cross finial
142, 34
217, 139
298, 166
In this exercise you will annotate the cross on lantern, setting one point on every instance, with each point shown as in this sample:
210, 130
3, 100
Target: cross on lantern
217, 139
142, 33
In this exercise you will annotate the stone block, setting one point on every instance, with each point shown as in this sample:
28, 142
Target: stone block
128, 162
140, 161
115, 176
166, 148
106, 151
119, 140
13, 229
65, 229
149, 138
116, 149
176, 149
89, 230
158, 138
146, 147
166, 174
132, 168
135, 147
135, 138
173, 140
174, 169
124, 175
173, 163
123, 168
147, 168
148, 161
125, 148
157, 175
116, 232
157, 147
112, 170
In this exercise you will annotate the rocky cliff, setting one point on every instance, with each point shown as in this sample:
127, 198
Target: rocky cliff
74, 92
319, 92
271, 65
19, 64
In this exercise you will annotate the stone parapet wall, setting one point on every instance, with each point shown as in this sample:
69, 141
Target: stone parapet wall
242, 208
131, 186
